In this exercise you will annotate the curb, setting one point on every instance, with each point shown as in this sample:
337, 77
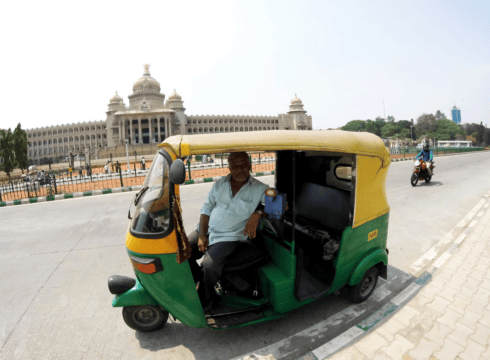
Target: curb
110, 191
352, 335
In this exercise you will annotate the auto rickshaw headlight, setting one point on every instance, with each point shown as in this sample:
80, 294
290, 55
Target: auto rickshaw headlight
146, 265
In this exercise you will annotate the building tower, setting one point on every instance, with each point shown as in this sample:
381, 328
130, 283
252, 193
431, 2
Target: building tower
456, 114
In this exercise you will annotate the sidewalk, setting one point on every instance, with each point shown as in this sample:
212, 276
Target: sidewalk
449, 318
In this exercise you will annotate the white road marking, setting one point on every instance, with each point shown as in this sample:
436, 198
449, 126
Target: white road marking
380, 293
339, 342
442, 259
278, 351
432, 253
460, 239
405, 294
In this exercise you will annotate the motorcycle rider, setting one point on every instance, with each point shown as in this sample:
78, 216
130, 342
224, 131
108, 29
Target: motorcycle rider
427, 156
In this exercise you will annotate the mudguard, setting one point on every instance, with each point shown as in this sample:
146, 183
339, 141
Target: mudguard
137, 295
375, 257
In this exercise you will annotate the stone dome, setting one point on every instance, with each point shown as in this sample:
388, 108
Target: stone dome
146, 82
116, 99
296, 100
175, 96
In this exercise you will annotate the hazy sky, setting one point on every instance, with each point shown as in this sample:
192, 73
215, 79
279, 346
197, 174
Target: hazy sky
62, 61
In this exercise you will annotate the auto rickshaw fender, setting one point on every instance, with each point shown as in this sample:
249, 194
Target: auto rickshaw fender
377, 257
137, 295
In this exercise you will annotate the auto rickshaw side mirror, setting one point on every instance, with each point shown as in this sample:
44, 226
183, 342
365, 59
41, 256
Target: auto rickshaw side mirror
177, 172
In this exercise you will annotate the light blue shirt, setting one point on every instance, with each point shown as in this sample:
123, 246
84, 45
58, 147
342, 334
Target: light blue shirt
228, 215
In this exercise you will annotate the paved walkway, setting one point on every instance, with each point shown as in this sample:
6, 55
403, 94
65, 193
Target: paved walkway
449, 318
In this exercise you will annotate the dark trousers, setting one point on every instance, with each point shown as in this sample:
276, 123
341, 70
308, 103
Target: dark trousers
211, 266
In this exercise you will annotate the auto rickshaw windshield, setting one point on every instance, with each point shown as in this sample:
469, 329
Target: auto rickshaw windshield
152, 215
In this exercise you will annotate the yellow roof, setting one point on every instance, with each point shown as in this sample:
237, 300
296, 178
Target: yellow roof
361, 143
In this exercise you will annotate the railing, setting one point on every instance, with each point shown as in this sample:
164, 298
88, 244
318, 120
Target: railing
411, 152
200, 166
69, 182
208, 166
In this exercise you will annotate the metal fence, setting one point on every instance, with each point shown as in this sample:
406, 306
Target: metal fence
200, 166
69, 182
410, 152
208, 166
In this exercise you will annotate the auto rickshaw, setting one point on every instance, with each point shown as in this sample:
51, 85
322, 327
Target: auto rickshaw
332, 235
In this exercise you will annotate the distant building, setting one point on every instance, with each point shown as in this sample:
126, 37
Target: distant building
454, 143
456, 115
149, 119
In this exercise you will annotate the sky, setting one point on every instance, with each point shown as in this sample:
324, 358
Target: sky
62, 61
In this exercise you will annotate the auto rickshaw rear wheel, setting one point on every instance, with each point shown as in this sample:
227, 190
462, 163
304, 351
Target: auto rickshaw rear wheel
360, 292
145, 317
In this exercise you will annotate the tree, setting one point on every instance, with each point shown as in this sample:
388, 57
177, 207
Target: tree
486, 137
390, 118
448, 130
7, 151
440, 115
471, 138
20, 144
354, 125
389, 129
378, 122
426, 123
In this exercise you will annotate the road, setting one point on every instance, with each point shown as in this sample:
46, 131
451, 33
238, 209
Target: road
56, 258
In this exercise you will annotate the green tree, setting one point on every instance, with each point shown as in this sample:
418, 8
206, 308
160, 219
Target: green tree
354, 125
20, 144
7, 151
379, 122
426, 125
440, 115
448, 130
389, 129
390, 118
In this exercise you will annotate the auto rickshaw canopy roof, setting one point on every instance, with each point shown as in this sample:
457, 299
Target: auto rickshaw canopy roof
361, 143
372, 160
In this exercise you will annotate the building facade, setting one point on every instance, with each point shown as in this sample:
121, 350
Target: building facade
456, 115
148, 119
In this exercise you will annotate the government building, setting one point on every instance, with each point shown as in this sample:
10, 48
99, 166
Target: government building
149, 119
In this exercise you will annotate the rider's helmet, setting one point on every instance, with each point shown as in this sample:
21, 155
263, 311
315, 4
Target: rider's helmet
426, 147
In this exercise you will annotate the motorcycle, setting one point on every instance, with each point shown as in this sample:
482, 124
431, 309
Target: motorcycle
420, 172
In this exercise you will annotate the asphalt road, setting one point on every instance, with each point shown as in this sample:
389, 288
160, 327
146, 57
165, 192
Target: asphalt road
56, 258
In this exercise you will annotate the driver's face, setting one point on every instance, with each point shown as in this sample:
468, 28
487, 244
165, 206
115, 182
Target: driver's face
239, 169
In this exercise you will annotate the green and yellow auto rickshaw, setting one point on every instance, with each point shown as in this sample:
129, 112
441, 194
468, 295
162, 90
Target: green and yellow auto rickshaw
332, 235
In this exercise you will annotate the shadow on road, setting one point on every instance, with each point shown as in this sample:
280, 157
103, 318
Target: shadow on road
207, 344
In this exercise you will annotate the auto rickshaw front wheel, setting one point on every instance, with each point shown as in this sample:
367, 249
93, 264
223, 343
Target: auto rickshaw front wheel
360, 292
145, 317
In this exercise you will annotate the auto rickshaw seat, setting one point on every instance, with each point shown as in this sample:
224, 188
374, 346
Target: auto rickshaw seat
245, 257
326, 206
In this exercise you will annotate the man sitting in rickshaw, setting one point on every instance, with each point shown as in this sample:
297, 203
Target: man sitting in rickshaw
228, 216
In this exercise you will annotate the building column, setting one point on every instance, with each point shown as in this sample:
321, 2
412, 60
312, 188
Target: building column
158, 124
120, 130
150, 122
131, 131
166, 127
140, 137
